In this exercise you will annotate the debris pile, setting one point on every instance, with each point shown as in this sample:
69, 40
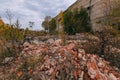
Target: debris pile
51, 61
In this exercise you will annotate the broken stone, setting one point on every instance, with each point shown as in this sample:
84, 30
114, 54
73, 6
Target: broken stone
50, 41
7, 59
52, 61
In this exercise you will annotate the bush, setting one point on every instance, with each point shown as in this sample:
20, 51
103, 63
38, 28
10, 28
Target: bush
5, 51
113, 56
42, 33
77, 21
54, 33
107, 45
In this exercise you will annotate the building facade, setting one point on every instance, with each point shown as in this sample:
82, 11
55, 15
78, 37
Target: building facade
97, 10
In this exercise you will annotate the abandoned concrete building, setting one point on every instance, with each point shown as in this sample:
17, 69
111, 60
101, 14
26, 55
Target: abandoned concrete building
97, 9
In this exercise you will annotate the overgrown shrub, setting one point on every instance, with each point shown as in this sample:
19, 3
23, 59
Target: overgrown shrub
76, 21
42, 33
107, 45
5, 51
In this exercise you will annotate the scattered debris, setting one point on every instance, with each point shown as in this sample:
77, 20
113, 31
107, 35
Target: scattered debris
52, 61
8, 59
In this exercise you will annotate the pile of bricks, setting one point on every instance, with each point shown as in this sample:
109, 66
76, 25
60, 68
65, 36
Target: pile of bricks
52, 61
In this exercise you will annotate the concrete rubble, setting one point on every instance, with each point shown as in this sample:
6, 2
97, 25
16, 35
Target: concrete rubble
50, 60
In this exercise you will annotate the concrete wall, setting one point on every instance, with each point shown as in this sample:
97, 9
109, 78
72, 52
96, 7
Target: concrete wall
97, 10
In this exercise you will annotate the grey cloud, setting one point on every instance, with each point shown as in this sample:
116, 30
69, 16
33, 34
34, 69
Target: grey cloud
33, 10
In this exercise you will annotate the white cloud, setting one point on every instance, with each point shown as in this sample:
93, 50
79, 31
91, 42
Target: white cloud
33, 10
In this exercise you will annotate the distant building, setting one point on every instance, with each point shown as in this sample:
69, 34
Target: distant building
97, 9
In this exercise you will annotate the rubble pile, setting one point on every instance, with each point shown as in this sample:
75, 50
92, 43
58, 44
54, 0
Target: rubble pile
51, 61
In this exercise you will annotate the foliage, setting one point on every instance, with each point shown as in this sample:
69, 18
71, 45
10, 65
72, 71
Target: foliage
105, 37
9, 16
52, 25
11, 33
76, 21
85, 21
55, 32
49, 25
45, 23
5, 51
17, 24
108, 42
31, 24
1, 23
68, 23
114, 58
104, 43
10, 39
42, 33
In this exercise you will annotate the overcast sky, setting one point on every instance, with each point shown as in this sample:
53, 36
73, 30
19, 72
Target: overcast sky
33, 10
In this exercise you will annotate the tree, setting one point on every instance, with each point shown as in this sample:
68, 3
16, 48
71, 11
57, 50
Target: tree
31, 24
1, 22
9, 16
68, 22
85, 21
52, 25
45, 23
77, 21
17, 24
